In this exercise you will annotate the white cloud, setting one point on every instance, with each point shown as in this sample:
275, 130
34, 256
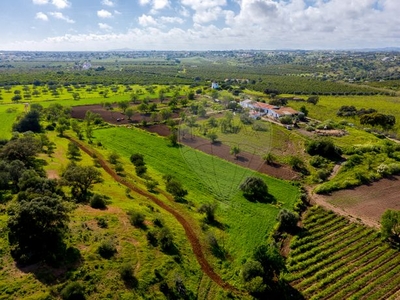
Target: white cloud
156, 5
60, 16
41, 16
108, 3
171, 20
104, 26
239, 24
61, 4
203, 5
116, 12
40, 2
146, 20
160, 4
144, 2
104, 14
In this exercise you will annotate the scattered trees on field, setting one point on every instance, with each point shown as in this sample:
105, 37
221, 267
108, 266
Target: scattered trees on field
260, 272
23, 148
378, 119
209, 210
212, 136
73, 151
269, 158
123, 105
313, 99
235, 150
174, 187
81, 179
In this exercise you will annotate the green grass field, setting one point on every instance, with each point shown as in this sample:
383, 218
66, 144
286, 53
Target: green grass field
337, 259
328, 106
207, 179
101, 277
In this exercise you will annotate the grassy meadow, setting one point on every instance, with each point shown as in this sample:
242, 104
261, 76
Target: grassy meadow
101, 277
328, 106
207, 179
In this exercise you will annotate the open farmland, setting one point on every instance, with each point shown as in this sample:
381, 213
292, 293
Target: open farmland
333, 258
367, 201
247, 224
328, 106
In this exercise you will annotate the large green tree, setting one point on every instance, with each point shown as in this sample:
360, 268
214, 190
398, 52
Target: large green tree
37, 229
254, 189
81, 179
30, 122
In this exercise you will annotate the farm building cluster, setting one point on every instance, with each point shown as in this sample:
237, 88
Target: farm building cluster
260, 109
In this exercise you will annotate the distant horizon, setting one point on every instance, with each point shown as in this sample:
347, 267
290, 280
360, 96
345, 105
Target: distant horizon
389, 48
193, 25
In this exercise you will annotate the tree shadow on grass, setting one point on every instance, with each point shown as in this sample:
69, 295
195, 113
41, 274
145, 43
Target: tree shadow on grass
56, 271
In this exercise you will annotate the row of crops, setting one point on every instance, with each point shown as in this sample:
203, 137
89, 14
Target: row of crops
334, 258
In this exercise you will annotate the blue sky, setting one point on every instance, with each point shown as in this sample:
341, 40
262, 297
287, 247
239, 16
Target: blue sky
57, 25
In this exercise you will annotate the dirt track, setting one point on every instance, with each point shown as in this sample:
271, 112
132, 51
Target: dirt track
193, 239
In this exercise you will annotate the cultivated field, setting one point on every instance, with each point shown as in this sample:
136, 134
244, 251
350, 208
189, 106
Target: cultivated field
333, 258
208, 179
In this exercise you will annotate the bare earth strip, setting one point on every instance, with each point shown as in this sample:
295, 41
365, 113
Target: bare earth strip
366, 203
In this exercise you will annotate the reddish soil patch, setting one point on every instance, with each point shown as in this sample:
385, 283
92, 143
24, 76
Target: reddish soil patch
367, 202
244, 159
52, 174
112, 116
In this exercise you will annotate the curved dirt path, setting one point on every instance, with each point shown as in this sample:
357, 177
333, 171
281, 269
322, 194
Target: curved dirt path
191, 235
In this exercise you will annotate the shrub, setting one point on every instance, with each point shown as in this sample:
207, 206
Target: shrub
127, 275
98, 201
175, 188
102, 223
137, 159
119, 168
310, 128
269, 158
73, 291
107, 249
256, 286
151, 185
259, 126
254, 189
152, 238
296, 163
318, 161
136, 218
251, 269
323, 147
390, 225
209, 210
140, 170
287, 220
165, 239
323, 174
113, 158
287, 120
